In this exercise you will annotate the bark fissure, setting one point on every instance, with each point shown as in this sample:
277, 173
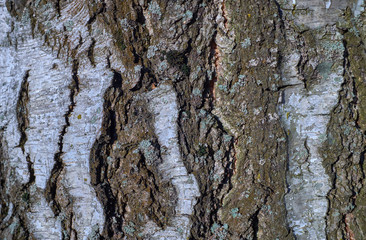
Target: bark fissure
216, 61
102, 147
22, 111
91, 52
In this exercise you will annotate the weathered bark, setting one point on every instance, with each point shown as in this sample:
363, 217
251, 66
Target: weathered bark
182, 119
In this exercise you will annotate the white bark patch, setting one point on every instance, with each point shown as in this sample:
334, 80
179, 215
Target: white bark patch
328, 3
45, 116
358, 8
305, 115
42, 221
48, 102
318, 13
49, 99
85, 123
11, 77
163, 103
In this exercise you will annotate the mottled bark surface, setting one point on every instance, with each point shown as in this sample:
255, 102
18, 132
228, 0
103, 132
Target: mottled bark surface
182, 119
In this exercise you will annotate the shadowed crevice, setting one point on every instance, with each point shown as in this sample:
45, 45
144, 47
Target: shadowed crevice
22, 110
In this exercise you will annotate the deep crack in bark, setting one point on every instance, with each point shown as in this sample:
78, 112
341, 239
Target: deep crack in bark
22, 111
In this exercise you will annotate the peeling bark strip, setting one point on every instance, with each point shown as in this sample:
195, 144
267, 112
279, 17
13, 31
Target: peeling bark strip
163, 103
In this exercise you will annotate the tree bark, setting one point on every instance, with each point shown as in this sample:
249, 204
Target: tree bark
182, 119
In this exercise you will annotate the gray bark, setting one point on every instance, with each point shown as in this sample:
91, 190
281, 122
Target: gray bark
182, 119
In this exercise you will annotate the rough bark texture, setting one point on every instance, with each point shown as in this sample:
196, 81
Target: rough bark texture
178, 119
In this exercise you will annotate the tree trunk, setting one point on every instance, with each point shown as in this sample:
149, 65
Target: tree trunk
182, 119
